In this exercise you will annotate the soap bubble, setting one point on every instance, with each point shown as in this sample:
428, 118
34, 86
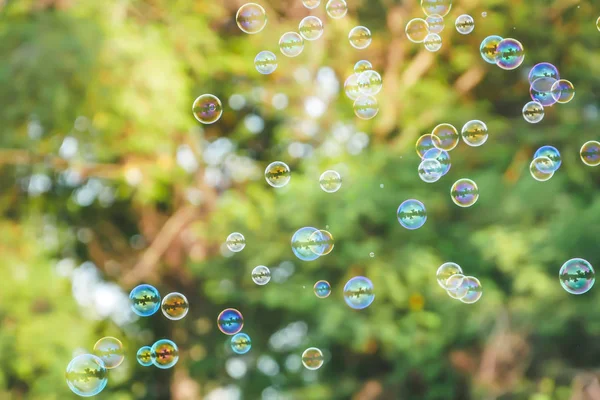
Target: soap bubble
291, 44
533, 112
417, 30
330, 181
473, 290
433, 42
358, 293
207, 109
464, 192
489, 48
230, 321
165, 353
562, 91
144, 356
241, 343
322, 289
412, 214
311, 28
474, 133
444, 272
110, 350
251, 18
175, 306
510, 54
541, 91
265, 62
312, 358
424, 144
362, 66
430, 170
369, 83
321, 242
598, 23
278, 174
445, 137
310, 4
360, 37
439, 7
543, 70
145, 300
235, 242
366, 107
86, 375
261, 275
442, 156
464, 24
577, 276
590, 153
336, 9
301, 243
351, 87
541, 169
435, 23
458, 290
550, 152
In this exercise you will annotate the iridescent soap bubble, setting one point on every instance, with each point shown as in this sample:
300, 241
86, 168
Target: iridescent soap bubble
358, 293
464, 24
433, 42
175, 306
207, 109
464, 192
458, 290
473, 290
541, 169
235, 242
562, 91
265, 62
439, 7
424, 144
444, 272
301, 243
369, 83
533, 112
86, 375
435, 23
417, 30
145, 300
510, 54
411, 214
474, 133
590, 153
552, 153
430, 170
261, 275
336, 9
278, 174
251, 18
241, 343
330, 181
144, 356
312, 358
310, 4
110, 350
577, 276
442, 156
230, 321
311, 28
541, 91
489, 48
543, 70
351, 87
362, 66
322, 289
321, 242
445, 137
291, 44
165, 353
366, 107
360, 37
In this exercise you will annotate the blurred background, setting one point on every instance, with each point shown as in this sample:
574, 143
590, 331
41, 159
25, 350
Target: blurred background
107, 181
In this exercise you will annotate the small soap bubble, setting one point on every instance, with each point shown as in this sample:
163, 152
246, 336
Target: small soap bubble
543, 70
436, 7
541, 91
207, 109
562, 91
278, 174
235, 242
301, 244
371, 254
430, 170
442, 156
322, 289
369, 83
291, 44
310, 4
411, 214
445, 137
577, 276
261, 275
435, 23
265, 62
533, 112
359, 293
351, 87
474, 133
336, 9
424, 144
417, 30
175, 306
464, 192
433, 42
144, 356
165, 354
458, 291
241, 343
321, 242
312, 358
590, 153
473, 290
444, 272
552, 153
251, 18
86, 375
330, 181
230, 321
362, 66
110, 350
510, 54
489, 48
464, 24
484, 14
366, 107
541, 169
145, 300
360, 37
311, 28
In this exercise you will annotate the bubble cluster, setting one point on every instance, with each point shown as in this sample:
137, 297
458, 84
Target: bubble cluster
175, 306
552, 153
278, 174
432, 42
436, 7
311, 28
241, 343
235, 242
445, 137
207, 109
265, 62
510, 54
322, 289
261, 275
145, 300
330, 181
577, 276
464, 24
251, 18
230, 321
359, 293
435, 23
165, 353
366, 107
144, 356
86, 375
291, 44
369, 83
336, 9
489, 48
590, 153
541, 168
412, 214
562, 91
464, 192
321, 242
360, 37
417, 30
302, 244
474, 133
110, 350
533, 112
312, 358
450, 277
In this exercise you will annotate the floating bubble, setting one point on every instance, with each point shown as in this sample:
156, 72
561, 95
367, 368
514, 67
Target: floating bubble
261, 275
489, 48
301, 243
207, 109
362, 66
543, 70
412, 214
235, 242
458, 290
577, 276
510, 54
310, 4
351, 87
444, 272
435, 23
358, 293
464, 24
330, 181
241, 343
424, 144
433, 42
278, 174
590, 153
321, 242
336, 9
144, 356
312, 358
369, 83
473, 290
484, 14
442, 156
533, 112
165, 353
445, 137
230, 321
311, 28
360, 37
366, 107
175, 306
464, 192
371, 254
110, 350
251, 18
474, 133
265, 62
541, 169
552, 153
430, 170
291, 44
145, 300
436, 7
562, 91
541, 91
322, 289
86, 375
417, 30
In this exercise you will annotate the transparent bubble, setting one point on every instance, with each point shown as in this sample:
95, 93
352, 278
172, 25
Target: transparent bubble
175, 306
541, 169
321, 242
336, 9
510, 54
261, 275
362, 66
241, 343
278, 174
433, 42
366, 107
439, 7
444, 272
430, 170
412, 214
322, 289
540, 91
351, 87
474, 133
424, 144
417, 30
165, 353
473, 290
311, 28
464, 24
562, 91
359, 293
489, 48
442, 156
435, 23
310, 4
230, 321
590, 153
251, 18
145, 300
360, 37
330, 181
484, 14
110, 350
301, 244
86, 375
533, 112
207, 109
543, 70
445, 137
577, 276
235, 242
312, 358
550, 152
371, 254
144, 356
291, 44
464, 192
265, 62
458, 290
369, 83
